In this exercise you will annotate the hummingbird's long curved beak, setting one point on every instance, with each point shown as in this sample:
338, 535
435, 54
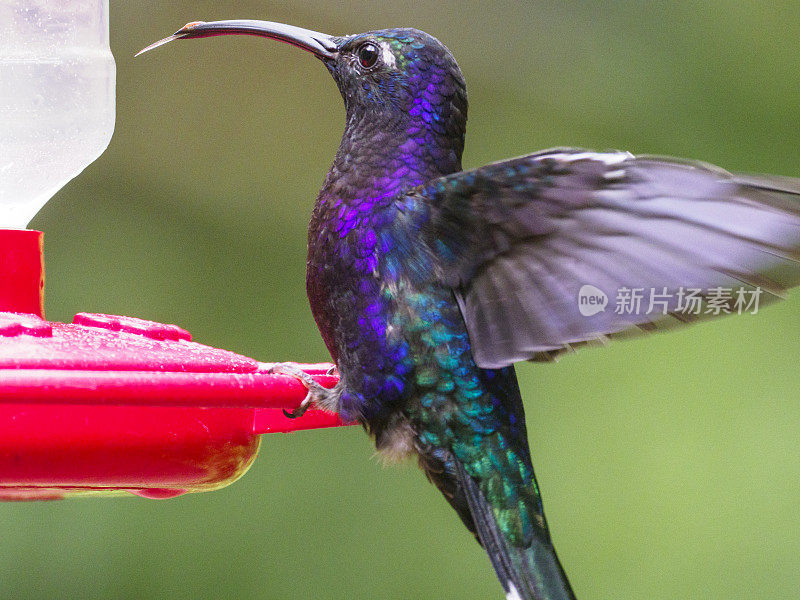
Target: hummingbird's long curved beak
320, 44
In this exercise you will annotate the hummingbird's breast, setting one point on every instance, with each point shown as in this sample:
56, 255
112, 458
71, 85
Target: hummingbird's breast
384, 316
346, 286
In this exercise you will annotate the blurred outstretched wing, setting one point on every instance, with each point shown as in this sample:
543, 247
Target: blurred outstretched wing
567, 247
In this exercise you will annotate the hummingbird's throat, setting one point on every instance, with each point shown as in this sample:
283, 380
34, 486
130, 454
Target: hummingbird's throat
383, 155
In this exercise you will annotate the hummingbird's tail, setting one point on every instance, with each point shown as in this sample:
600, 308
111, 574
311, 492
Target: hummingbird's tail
481, 463
530, 572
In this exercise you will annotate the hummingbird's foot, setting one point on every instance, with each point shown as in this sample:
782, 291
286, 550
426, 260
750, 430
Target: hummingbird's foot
334, 370
315, 390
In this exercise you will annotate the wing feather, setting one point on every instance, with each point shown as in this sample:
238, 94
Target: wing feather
518, 240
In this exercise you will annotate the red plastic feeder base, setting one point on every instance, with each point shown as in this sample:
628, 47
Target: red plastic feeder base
111, 405
114, 404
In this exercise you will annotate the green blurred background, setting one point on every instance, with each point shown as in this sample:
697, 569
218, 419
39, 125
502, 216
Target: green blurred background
670, 465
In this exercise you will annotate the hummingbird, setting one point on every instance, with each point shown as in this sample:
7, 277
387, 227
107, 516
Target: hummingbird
428, 282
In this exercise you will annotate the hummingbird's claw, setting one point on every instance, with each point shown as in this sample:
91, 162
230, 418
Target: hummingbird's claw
315, 390
300, 410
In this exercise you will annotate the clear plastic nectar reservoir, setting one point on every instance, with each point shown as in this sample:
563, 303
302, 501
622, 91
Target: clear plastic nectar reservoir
57, 99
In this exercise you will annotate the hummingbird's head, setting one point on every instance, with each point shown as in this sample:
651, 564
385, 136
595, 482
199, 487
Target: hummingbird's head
381, 74
398, 69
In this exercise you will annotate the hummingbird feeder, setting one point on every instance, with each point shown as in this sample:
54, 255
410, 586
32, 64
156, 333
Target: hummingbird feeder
107, 404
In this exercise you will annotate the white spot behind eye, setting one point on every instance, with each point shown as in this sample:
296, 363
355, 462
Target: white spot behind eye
388, 55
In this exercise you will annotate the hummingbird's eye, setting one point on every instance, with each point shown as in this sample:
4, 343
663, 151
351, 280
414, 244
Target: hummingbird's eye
368, 55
